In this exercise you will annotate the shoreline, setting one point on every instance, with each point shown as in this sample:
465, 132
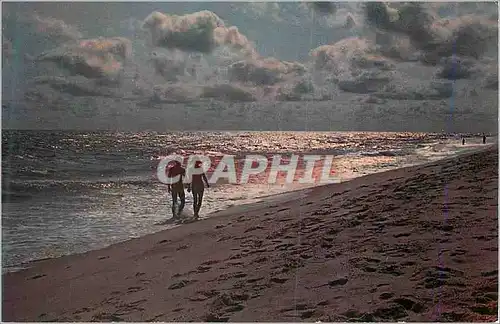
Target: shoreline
373, 248
270, 199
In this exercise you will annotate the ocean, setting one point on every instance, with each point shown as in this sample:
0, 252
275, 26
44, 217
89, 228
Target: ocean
66, 192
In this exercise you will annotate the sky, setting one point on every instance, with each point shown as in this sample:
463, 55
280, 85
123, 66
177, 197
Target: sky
78, 64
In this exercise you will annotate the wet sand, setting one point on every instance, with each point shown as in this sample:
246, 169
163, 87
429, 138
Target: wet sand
413, 244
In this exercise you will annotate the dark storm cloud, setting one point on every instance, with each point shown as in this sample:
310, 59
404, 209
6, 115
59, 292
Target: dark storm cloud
366, 82
468, 36
457, 68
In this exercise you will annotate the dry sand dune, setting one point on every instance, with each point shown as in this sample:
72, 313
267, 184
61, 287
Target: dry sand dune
414, 244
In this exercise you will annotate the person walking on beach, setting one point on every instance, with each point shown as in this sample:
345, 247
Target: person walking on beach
197, 185
484, 139
463, 141
177, 189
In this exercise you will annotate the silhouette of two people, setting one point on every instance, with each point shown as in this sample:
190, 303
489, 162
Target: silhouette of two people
197, 186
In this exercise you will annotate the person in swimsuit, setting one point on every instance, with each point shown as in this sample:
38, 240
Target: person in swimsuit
197, 185
177, 189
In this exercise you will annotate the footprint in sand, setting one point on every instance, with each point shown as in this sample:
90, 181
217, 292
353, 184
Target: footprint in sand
260, 260
211, 317
134, 289
202, 269
485, 309
252, 280
409, 304
253, 228
204, 295
37, 276
234, 308
224, 238
235, 263
354, 316
386, 295
180, 284
402, 235
182, 247
155, 318
106, 317
338, 282
390, 313
279, 280
492, 273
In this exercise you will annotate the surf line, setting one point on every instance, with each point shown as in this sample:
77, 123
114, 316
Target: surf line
226, 167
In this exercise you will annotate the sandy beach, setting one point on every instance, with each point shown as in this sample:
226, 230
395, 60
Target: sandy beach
413, 244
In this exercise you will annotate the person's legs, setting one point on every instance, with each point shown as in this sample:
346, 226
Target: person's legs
182, 196
199, 199
195, 202
174, 203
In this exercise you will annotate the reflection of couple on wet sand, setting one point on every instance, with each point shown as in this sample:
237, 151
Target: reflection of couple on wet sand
197, 186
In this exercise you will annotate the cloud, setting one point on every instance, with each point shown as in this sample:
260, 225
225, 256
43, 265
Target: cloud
178, 93
468, 36
395, 46
76, 86
366, 82
7, 50
348, 57
464, 36
266, 71
491, 81
173, 93
91, 58
457, 68
295, 91
350, 21
56, 29
201, 31
398, 89
323, 7
228, 92
169, 65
